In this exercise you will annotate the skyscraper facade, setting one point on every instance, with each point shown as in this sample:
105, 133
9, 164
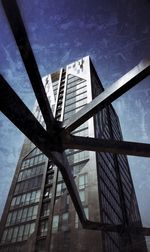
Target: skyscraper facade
39, 214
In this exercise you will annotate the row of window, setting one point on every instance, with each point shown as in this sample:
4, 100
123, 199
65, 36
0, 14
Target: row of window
55, 83
34, 171
82, 184
74, 110
26, 199
59, 223
61, 187
73, 79
75, 87
70, 113
18, 233
77, 92
28, 185
76, 104
21, 215
78, 157
76, 99
71, 83
33, 161
77, 168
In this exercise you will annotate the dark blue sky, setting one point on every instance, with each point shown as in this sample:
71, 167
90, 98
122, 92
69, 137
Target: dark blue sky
116, 35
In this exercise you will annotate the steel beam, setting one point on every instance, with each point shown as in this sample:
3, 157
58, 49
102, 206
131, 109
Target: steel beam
105, 145
12, 106
129, 80
17, 112
48, 141
20, 34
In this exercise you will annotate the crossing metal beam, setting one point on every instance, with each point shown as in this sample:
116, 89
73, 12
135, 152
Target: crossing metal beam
18, 113
22, 41
51, 142
125, 83
105, 145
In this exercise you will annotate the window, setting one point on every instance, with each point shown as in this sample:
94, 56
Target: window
9, 219
55, 223
45, 209
86, 210
13, 202
43, 228
28, 195
58, 192
82, 195
26, 231
15, 232
28, 184
4, 236
9, 234
20, 233
35, 211
76, 221
36, 170
18, 219
64, 226
32, 228
13, 219
33, 161
29, 215
83, 181
32, 196
24, 214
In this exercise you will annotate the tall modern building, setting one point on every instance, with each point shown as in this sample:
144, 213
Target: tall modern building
39, 215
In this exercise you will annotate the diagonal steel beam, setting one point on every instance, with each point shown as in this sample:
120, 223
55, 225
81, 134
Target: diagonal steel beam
105, 145
12, 106
17, 112
16, 117
20, 34
129, 80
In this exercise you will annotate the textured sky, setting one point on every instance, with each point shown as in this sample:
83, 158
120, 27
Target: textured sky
116, 35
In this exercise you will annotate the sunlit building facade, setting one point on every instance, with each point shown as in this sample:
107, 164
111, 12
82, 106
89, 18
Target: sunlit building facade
39, 214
